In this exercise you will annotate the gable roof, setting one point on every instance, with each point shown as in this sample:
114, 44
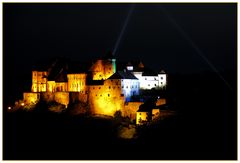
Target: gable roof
123, 75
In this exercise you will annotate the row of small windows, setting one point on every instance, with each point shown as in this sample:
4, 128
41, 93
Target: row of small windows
155, 78
155, 84
121, 95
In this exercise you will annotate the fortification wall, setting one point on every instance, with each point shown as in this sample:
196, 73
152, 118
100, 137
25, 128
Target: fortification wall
161, 101
130, 109
31, 97
62, 98
106, 99
77, 97
47, 96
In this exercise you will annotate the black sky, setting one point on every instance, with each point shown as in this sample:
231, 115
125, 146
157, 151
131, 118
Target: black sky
87, 31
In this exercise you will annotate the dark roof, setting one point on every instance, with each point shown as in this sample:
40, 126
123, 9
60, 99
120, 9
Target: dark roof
144, 108
95, 82
149, 72
162, 72
78, 67
123, 75
58, 71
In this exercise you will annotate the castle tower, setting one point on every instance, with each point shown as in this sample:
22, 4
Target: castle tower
104, 67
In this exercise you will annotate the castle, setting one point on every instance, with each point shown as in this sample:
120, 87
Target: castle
101, 85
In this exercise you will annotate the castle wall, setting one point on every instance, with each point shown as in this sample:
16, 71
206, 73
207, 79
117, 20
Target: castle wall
162, 80
103, 69
130, 109
77, 82
141, 116
62, 98
161, 101
30, 97
77, 97
51, 86
106, 99
61, 87
47, 96
39, 81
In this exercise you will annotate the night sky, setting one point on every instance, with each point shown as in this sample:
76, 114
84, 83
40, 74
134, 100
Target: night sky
196, 44
179, 38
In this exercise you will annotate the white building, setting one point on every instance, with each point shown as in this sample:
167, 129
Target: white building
129, 83
148, 79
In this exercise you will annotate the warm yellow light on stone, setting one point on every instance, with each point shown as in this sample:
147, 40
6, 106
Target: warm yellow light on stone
141, 117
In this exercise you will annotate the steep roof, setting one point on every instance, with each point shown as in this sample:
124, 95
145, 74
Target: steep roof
123, 75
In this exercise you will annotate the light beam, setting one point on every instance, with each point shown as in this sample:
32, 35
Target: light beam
123, 29
197, 49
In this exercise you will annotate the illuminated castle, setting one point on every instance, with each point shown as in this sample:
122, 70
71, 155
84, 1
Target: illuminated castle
103, 87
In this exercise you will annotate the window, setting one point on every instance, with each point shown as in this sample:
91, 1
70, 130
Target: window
155, 79
108, 95
100, 95
161, 82
122, 95
139, 113
155, 84
145, 78
126, 86
99, 88
122, 86
161, 77
93, 87
109, 87
96, 94
148, 84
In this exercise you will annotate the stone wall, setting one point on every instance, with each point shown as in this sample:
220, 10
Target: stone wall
77, 97
130, 109
47, 96
161, 101
106, 99
31, 97
62, 98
